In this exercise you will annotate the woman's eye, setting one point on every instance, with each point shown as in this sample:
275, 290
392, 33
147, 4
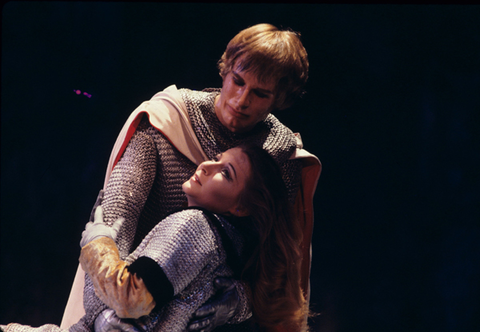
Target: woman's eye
226, 173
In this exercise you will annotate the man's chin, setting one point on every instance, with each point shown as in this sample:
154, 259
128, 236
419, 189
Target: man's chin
236, 127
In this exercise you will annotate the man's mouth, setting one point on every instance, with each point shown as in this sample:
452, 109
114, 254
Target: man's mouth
237, 114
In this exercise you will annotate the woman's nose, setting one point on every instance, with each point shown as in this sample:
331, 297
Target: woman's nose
207, 167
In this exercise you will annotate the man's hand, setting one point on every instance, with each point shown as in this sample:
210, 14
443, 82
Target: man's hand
98, 202
218, 310
98, 228
108, 321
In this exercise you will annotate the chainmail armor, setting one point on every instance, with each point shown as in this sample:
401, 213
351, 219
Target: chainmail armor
14, 327
188, 251
270, 134
146, 184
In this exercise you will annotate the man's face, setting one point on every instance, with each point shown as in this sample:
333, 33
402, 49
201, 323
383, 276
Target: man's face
244, 100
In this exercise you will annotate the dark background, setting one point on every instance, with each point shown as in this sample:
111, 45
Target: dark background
392, 111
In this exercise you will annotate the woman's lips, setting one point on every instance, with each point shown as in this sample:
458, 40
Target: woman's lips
195, 178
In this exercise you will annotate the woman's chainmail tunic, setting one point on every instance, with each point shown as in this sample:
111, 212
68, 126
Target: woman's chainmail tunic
191, 254
146, 184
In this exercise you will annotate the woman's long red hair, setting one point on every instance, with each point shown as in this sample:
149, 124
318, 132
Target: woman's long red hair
273, 271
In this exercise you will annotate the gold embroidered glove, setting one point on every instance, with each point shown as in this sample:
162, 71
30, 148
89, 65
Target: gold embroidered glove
114, 284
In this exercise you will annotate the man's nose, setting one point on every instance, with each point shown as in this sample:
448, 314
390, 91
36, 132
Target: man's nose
243, 100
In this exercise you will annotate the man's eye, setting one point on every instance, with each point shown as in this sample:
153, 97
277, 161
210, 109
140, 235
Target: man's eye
237, 81
260, 94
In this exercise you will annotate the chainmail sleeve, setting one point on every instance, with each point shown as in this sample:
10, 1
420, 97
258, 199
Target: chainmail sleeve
15, 327
125, 196
129, 186
182, 244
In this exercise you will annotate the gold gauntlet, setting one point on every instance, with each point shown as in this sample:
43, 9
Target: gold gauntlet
114, 284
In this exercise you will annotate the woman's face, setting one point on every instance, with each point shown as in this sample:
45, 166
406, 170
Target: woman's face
244, 100
217, 184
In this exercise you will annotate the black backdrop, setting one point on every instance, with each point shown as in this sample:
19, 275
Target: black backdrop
392, 111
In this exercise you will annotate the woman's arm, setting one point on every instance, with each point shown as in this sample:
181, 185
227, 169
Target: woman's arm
164, 264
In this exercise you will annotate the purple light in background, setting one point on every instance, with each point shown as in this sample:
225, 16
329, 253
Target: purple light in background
78, 92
